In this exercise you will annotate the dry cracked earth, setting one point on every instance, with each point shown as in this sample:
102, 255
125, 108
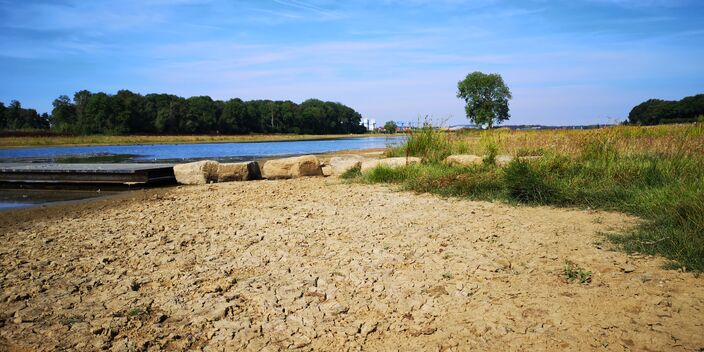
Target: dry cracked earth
317, 264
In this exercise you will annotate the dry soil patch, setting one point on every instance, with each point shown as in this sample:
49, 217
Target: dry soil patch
314, 263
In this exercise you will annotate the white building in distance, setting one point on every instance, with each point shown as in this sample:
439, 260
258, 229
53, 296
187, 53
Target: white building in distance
369, 124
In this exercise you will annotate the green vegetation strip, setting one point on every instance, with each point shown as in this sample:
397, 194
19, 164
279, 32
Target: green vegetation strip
666, 190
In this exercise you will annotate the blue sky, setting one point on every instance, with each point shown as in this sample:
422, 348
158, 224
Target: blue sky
566, 62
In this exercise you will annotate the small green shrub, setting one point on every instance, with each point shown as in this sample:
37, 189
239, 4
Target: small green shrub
136, 312
352, 173
572, 272
490, 146
527, 185
429, 143
387, 174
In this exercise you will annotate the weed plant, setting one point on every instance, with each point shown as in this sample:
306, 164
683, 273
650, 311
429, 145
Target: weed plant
572, 272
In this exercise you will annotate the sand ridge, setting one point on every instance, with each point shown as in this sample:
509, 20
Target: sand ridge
317, 264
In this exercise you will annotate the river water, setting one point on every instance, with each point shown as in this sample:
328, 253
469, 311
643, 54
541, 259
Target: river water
145, 153
160, 153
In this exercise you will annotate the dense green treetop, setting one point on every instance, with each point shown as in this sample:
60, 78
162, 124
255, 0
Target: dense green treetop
486, 98
3, 122
129, 113
656, 111
15, 117
390, 127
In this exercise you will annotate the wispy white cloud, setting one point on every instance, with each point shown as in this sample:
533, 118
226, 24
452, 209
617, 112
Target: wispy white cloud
302, 5
95, 16
371, 74
389, 59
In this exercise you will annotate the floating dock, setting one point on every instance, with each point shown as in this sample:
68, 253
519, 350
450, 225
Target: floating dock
86, 174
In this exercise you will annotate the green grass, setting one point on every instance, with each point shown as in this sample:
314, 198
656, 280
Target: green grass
666, 190
352, 173
429, 143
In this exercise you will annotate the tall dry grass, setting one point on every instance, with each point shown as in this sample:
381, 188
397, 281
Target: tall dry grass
628, 140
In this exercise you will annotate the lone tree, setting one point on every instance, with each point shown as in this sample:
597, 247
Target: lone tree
390, 127
486, 97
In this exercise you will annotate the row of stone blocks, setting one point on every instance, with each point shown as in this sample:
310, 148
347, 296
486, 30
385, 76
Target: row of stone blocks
208, 171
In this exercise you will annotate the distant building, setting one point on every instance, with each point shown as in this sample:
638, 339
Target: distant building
369, 124
463, 127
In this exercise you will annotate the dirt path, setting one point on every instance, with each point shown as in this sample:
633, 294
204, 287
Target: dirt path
320, 265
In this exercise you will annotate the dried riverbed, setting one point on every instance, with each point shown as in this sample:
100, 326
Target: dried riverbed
318, 264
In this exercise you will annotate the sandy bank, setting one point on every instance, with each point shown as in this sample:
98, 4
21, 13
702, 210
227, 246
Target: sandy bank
317, 264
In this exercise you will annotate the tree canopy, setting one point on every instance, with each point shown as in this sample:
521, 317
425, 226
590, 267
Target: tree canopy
15, 117
131, 113
390, 127
486, 98
656, 111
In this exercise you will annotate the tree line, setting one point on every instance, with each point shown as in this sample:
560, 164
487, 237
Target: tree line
131, 113
15, 117
657, 111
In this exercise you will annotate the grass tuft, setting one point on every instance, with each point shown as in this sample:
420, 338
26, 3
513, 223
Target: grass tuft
490, 145
136, 312
526, 184
352, 173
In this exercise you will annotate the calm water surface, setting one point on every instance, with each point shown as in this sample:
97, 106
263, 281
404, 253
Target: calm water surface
180, 152
146, 153
23, 198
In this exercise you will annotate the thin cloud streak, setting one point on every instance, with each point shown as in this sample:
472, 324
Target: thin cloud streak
571, 62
